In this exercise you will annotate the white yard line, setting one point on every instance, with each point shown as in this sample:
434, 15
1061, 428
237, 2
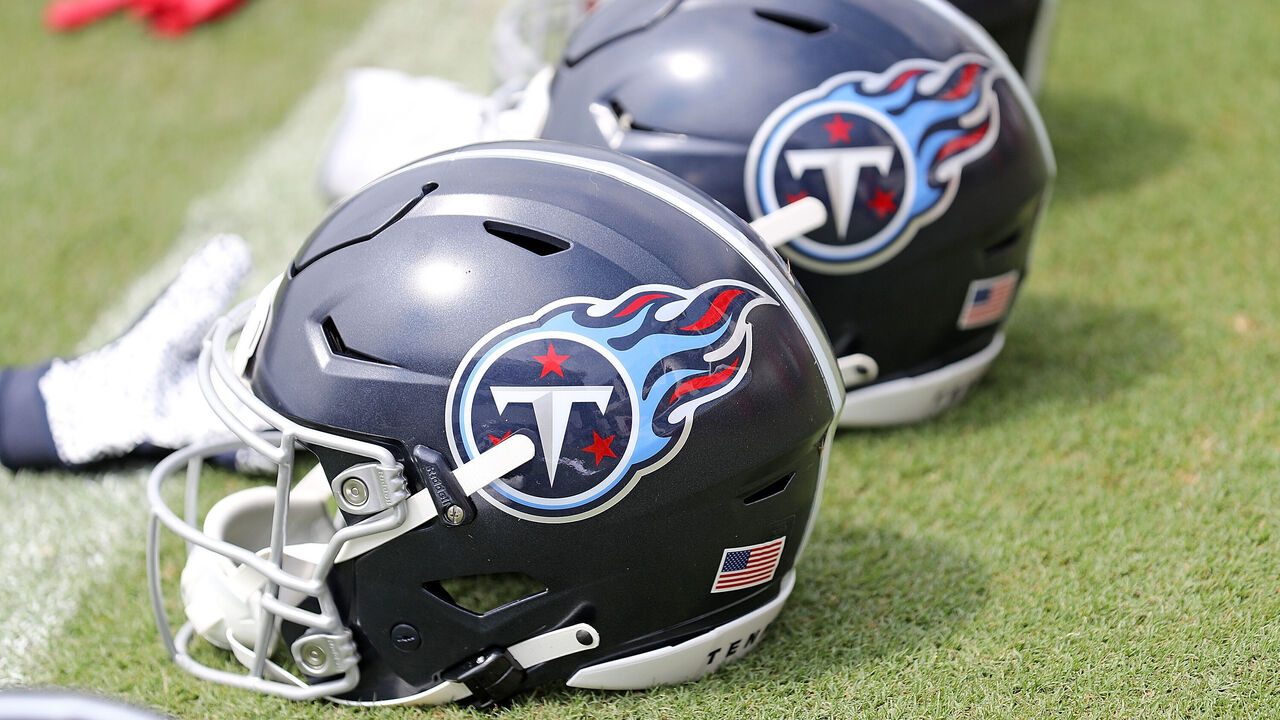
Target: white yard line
64, 532
59, 534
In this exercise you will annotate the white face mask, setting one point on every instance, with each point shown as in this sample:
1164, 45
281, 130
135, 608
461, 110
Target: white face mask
265, 550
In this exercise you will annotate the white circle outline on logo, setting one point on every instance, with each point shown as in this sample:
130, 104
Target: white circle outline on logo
825, 252
533, 501
762, 157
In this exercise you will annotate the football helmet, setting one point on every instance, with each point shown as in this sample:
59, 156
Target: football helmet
530, 33
575, 418
57, 704
1021, 27
903, 117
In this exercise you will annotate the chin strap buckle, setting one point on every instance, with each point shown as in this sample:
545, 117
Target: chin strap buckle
491, 677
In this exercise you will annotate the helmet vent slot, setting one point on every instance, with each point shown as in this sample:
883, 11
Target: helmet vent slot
483, 594
339, 347
808, 26
774, 488
1000, 248
535, 241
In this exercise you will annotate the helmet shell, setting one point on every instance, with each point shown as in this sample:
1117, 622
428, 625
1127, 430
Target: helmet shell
420, 305
716, 90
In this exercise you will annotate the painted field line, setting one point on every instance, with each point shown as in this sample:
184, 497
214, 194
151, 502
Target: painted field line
65, 532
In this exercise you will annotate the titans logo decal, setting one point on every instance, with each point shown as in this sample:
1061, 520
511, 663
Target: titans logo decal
884, 151
607, 389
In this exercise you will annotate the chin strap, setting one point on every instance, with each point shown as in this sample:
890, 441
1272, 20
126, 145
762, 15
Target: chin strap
496, 674
221, 598
471, 476
790, 221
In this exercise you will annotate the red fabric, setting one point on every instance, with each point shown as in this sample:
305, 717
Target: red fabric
166, 17
176, 17
71, 14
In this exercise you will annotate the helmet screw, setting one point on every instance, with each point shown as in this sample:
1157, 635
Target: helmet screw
453, 514
314, 656
405, 637
583, 637
355, 492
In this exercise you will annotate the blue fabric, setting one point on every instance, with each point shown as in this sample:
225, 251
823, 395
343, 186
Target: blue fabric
25, 439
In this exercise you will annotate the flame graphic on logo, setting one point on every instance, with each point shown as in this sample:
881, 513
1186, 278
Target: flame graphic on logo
947, 113
938, 116
637, 368
682, 349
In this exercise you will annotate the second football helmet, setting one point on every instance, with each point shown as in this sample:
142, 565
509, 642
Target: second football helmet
575, 418
903, 117
1021, 27
529, 33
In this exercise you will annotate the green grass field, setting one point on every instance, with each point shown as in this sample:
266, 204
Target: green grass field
1095, 532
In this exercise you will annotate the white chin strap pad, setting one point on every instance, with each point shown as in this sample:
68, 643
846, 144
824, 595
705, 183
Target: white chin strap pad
220, 597
690, 659
919, 397
220, 609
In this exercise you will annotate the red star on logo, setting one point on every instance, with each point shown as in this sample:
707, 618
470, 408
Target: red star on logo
600, 447
551, 362
797, 197
496, 440
838, 130
883, 203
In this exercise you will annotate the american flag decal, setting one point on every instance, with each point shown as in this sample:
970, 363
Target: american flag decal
744, 567
988, 300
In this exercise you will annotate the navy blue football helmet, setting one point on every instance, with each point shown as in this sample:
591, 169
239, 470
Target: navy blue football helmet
51, 704
575, 418
529, 33
903, 117
1021, 27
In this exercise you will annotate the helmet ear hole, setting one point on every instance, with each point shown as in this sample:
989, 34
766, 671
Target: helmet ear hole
774, 488
999, 248
482, 594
